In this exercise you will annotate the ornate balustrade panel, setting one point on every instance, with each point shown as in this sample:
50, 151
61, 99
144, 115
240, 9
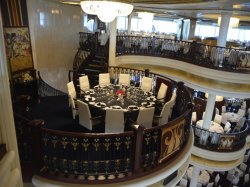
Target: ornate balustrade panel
214, 57
220, 142
161, 143
91, 156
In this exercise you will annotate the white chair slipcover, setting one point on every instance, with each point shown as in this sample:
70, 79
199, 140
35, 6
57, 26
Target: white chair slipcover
84, 83
146, 84
124, 79
114, 121
145, 117
162, 92
104, 79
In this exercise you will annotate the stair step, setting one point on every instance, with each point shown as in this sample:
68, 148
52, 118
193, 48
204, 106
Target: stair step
95, 66
100, 57
92, 71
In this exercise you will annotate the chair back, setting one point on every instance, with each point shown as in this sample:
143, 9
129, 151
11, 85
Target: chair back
165, 113
227, 126
84, 115
73, 106
71, 89
211, 184
217, 111
162, 91
84, 83
104, 79
145, 117
124, 79
241, 112
241, 122
223, 109
194, 117
114, 121
217, 118
223, 118
146, 84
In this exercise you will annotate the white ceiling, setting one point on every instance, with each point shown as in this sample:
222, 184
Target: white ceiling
209, 10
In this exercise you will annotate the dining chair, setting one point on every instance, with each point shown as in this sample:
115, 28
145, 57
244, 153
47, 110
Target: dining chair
73, 106
145, 117
162, 92
227, 126
199, 184
223, 109
146, 84
241, 112
217, 179
224, 118
211, 184
183, 183
194, 117
85, 118
217, 118
243, 167
246, 178
162, 119
241, 122
114, 121
217, 111
71, 89
84, 83
104, 79
124, 79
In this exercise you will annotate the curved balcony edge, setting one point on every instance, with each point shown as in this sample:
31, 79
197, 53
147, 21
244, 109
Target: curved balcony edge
213, 165
218, 156
212, 81
180, 160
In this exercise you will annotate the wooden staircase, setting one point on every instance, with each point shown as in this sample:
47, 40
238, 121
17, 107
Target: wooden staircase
90, 59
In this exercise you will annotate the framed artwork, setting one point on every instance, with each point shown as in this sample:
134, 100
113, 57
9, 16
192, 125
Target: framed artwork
18, 48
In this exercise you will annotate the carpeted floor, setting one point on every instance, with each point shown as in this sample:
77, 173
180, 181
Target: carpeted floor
56, 113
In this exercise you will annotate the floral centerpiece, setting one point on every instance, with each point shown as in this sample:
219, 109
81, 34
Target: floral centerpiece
120, 92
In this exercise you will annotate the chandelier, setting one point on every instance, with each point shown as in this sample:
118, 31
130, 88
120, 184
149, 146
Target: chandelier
234, 22
106, 11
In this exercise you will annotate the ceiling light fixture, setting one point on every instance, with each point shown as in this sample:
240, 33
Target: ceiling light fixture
234, 22
106, 11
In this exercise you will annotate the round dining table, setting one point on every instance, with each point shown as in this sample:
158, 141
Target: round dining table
118, 97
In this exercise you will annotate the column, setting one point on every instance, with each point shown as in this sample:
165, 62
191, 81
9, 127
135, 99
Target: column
129, 23
195, 176
7, 126
112, 42
224, 25
192, 29
209, 111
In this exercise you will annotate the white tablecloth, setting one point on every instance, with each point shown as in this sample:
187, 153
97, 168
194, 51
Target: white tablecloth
232, 117
203, 178
214, 127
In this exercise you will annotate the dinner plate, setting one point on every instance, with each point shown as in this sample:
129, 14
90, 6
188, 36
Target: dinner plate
152, 98
146, 104
89, 98
116, 107
148, 93
133, 107
100, 104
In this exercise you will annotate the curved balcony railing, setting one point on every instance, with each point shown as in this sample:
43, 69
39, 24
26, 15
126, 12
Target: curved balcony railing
213, 141
214, 57
106, 158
